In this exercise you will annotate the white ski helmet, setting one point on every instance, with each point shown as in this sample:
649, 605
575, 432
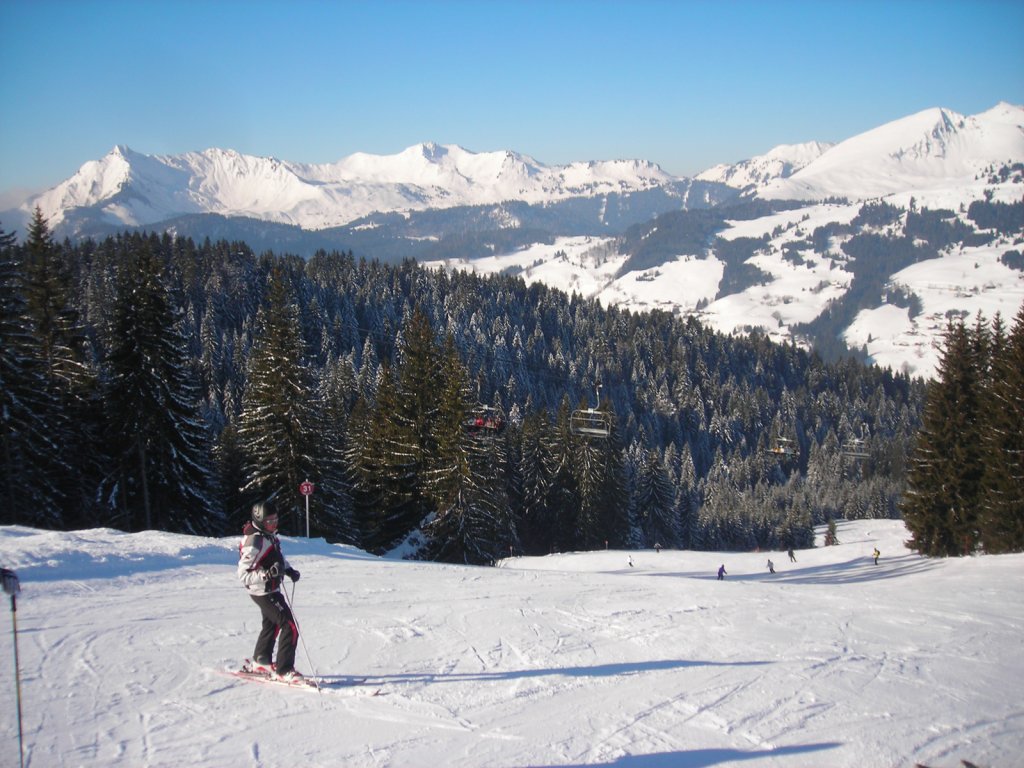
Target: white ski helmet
261, 511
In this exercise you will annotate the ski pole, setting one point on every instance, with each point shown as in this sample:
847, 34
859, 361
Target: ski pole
12, 588
302, 639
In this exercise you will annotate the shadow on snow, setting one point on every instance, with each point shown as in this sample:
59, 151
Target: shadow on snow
703, 758
599, 670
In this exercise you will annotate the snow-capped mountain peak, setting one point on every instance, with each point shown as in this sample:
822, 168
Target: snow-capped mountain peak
130, 188
931, 149
778, 163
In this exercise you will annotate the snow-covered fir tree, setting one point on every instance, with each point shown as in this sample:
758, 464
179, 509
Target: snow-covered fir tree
161, 475
277, 427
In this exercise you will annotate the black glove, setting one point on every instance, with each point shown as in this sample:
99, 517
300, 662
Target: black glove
291, 573
272, 573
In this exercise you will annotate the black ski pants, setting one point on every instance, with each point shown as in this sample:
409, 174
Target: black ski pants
277, 621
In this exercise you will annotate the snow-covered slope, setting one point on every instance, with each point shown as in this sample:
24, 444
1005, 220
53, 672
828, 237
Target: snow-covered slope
934, 160
779, 163
933, 149
133, 188
571, 660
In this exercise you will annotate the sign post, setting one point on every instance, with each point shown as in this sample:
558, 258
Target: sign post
306, 489
12, 587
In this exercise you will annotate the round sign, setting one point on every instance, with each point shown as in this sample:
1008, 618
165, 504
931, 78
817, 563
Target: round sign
306, 488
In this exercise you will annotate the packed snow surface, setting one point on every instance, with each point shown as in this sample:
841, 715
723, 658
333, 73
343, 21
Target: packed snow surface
571, 659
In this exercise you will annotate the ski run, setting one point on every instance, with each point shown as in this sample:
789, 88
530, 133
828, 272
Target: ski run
566, 660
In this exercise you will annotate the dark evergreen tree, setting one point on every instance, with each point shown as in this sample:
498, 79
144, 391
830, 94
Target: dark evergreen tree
363, 457
1001, 517
74, 421
333, 510
277, 429
402, 440
944, 479
473, 523
603, 513
536, 517
229, 470
30, 493
564, 501
161, 476
49, 292
449, 469
655, 504
687, 508
383, 469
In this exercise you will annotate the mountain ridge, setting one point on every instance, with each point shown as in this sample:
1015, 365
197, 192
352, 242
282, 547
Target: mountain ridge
618, 231
931, 149
319, 196
928, 149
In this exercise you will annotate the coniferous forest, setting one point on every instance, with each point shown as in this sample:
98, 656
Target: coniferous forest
152, 382
966, 478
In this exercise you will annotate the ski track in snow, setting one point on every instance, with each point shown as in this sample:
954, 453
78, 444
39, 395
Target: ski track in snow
566, 660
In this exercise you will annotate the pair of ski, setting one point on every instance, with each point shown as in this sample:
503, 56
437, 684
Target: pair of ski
352, 685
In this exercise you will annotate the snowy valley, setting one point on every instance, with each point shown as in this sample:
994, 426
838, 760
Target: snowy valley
567, 660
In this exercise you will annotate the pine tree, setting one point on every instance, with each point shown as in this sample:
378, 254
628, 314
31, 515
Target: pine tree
361, 462
228, 468
75, 421
449, 468
603, 514
1002, 503
564, 491
473, 523
332, 512
401, 441
536, 520
29, 489
49, 292
162, 477
655, 502
277, 426
944, 479
382, 466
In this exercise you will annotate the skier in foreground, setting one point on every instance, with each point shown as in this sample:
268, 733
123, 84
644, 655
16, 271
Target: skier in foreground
261, 567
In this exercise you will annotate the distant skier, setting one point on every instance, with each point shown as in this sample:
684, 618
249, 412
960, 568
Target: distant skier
261, 566
721, 572
792, 557
876, 554
630, 561
771, 567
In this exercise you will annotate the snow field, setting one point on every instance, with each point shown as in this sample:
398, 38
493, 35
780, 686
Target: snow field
570, 659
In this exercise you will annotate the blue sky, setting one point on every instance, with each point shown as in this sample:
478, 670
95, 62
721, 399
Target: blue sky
684, 84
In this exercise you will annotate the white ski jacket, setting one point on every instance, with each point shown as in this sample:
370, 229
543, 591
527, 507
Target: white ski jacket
257, 553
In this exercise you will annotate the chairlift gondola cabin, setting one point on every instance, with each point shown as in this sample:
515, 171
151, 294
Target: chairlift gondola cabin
783, 447
485, 421
854, 449
590, 422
